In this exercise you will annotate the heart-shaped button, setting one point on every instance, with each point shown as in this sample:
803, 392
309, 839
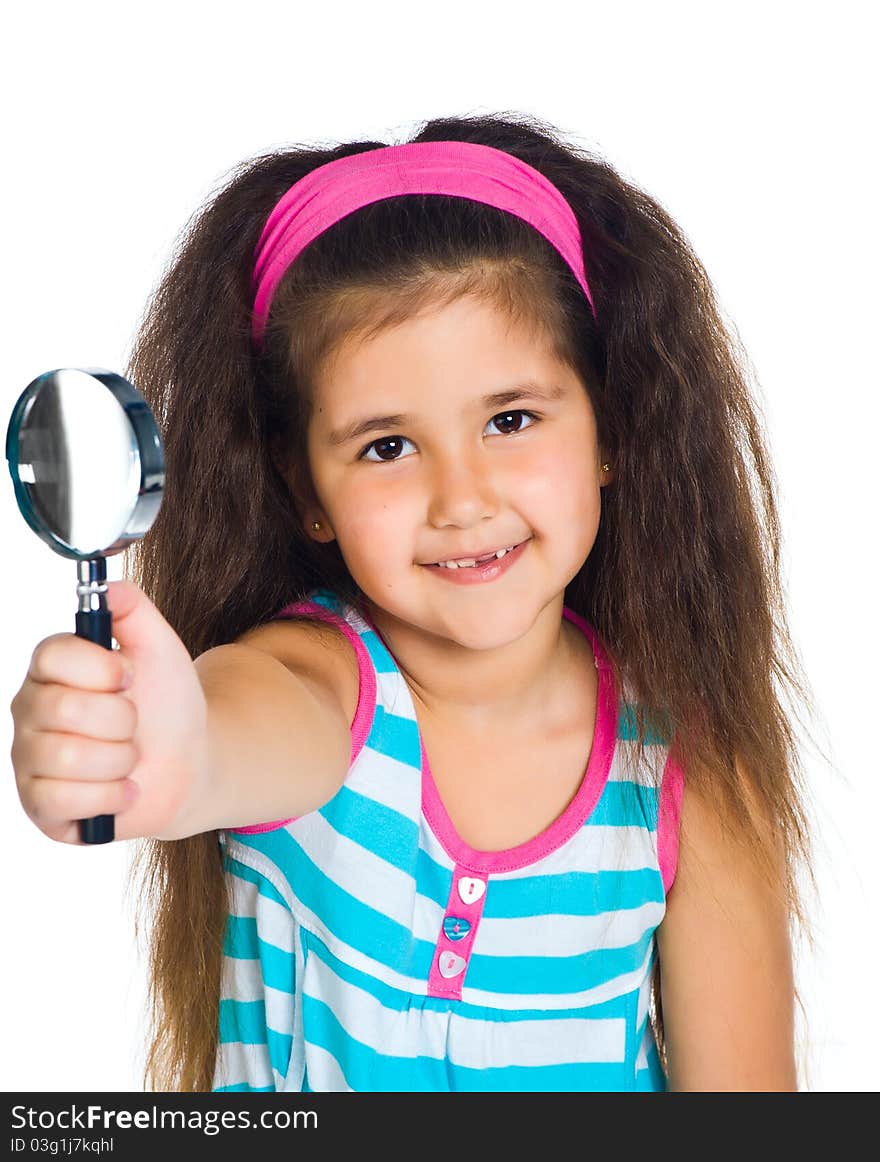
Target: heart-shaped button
455, 927
450, 964
470, 889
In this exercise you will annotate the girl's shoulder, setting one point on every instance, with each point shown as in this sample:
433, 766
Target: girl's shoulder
317, 650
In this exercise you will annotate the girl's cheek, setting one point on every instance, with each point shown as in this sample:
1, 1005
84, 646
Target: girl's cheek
378, 512
545, 472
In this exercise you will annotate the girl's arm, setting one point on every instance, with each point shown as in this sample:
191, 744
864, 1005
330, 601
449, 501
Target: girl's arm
277, 742
727, 983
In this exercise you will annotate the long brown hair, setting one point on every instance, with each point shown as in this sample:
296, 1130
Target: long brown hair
683, 583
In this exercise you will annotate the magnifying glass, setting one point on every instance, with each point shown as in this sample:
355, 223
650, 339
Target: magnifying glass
88, 466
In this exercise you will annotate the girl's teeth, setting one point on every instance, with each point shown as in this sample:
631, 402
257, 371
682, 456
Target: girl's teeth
470, 562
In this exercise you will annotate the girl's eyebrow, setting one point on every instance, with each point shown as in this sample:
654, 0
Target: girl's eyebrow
497, 399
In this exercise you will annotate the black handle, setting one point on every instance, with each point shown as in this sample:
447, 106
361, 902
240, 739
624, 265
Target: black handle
96, 625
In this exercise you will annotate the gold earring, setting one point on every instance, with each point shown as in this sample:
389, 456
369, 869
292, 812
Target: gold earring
606, 467
316, 524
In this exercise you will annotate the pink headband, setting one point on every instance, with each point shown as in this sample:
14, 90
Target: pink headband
460, 168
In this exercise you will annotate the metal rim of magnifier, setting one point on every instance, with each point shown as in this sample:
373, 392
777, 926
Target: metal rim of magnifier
147, 443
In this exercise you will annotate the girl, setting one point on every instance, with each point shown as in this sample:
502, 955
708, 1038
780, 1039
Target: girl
457, 651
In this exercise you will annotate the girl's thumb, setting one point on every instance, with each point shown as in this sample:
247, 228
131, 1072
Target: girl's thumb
137, 624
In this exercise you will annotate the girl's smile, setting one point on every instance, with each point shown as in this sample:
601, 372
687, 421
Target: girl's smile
476, 570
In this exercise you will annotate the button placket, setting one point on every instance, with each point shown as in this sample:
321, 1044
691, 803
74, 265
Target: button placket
457, 933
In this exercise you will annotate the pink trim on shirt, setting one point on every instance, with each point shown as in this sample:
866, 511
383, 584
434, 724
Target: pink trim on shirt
366, 705
575, 814
668, 818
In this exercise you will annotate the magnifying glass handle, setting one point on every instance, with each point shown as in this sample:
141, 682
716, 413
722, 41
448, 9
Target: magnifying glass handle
94, 621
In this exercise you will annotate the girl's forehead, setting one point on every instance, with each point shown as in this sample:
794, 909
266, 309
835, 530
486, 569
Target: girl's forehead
465, 341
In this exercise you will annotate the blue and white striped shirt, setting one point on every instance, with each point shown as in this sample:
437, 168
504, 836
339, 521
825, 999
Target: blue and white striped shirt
369, 948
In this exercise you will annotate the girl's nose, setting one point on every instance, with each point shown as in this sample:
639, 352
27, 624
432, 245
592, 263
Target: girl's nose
462, 492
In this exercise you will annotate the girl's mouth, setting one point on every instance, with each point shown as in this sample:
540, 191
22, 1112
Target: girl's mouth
489, 569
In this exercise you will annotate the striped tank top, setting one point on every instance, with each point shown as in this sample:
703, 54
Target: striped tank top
369, 948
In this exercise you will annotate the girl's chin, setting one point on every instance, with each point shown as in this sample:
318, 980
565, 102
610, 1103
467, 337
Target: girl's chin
482, 629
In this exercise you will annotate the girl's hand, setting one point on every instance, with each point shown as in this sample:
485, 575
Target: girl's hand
86, 743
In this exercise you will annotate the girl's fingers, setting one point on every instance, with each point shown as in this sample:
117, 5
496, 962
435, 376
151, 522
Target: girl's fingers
52, 707
75, 661
63, 833
52, 755
55, 806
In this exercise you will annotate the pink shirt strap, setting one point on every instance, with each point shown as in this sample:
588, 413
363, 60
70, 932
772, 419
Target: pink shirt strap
669, 818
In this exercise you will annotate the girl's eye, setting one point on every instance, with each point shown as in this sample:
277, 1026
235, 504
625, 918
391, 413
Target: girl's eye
514, 418
387, 448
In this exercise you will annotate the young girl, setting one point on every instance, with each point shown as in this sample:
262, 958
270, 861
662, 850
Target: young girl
454, 718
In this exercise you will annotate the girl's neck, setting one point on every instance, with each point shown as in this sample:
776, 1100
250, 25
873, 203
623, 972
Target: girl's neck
515, 689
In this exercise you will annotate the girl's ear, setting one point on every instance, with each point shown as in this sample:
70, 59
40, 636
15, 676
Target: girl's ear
316, 524
302, 493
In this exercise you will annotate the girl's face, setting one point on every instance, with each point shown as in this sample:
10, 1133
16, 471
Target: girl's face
451, 436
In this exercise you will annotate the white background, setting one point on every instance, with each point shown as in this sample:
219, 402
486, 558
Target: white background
753, 124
